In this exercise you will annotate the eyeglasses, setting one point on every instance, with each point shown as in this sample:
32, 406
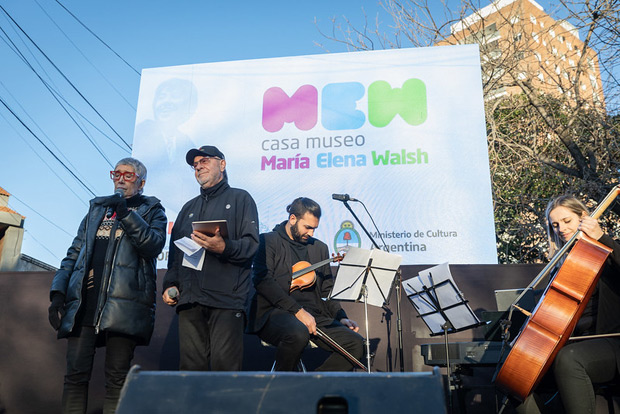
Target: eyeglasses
127, 176
203, 161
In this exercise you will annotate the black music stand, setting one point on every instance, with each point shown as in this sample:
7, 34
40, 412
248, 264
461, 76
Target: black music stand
441, 306
367, 276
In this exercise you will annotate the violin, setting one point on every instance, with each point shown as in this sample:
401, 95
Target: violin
304, 275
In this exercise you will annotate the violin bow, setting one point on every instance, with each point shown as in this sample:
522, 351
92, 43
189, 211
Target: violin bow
340, 349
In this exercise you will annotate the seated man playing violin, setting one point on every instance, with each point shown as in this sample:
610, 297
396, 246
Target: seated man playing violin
286, 312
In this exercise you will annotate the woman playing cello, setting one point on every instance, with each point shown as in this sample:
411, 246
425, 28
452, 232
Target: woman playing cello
580, 364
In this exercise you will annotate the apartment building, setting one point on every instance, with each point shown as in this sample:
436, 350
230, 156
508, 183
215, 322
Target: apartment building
519, 41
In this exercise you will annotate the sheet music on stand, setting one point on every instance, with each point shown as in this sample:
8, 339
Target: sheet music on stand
351, 277
366, 276
441, 306
438, 301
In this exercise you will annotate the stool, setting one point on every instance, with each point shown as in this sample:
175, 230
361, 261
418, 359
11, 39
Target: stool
300, 365
608, 391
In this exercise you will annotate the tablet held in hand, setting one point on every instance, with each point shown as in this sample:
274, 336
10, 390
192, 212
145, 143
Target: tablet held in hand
210, 227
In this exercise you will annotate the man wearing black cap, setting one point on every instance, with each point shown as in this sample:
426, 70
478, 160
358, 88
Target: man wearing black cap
211, 301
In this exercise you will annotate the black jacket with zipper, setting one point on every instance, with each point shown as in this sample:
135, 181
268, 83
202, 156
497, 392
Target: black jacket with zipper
224, 279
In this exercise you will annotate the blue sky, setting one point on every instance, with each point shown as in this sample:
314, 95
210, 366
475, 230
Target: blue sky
146, 34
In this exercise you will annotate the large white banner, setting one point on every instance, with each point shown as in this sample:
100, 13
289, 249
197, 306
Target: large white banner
402, 131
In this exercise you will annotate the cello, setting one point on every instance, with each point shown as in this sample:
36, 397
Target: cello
552, 321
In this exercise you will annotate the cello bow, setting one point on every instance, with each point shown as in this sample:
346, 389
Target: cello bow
556, 314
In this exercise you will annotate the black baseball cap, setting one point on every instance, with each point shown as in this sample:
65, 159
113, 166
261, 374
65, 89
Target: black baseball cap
205, 151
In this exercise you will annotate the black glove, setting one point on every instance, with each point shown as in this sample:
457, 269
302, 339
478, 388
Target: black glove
118, 204
57, 310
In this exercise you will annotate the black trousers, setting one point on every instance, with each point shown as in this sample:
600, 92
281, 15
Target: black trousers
290, 337
210, 339
119, 351
575, 369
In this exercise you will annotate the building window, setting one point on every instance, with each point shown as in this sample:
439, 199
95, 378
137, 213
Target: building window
541, 77
552, 32
532, 19
569, 45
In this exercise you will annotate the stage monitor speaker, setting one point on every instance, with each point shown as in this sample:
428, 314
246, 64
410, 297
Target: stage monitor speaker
166, 392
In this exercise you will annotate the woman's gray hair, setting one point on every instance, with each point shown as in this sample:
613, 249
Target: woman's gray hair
138, 167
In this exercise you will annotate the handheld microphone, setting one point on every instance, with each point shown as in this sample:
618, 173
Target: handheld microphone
343, 197
118, 192
173, 293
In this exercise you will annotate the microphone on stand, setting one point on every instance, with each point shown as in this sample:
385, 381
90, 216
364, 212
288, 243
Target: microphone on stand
343, 197
119, 192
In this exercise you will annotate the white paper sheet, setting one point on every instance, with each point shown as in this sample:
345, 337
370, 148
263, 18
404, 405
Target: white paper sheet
433, 293
193, 253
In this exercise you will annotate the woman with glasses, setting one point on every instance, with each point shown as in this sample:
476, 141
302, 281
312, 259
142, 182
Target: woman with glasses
104, 292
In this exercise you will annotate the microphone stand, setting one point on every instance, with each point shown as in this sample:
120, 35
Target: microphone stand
397, 283
360, 223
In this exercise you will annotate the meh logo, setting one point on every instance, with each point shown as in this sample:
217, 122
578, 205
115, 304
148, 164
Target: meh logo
338, 105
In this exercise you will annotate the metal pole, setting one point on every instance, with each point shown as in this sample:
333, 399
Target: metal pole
365, 292
445, 334
399, 322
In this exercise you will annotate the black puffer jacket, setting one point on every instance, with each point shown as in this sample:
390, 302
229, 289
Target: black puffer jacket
127, 299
